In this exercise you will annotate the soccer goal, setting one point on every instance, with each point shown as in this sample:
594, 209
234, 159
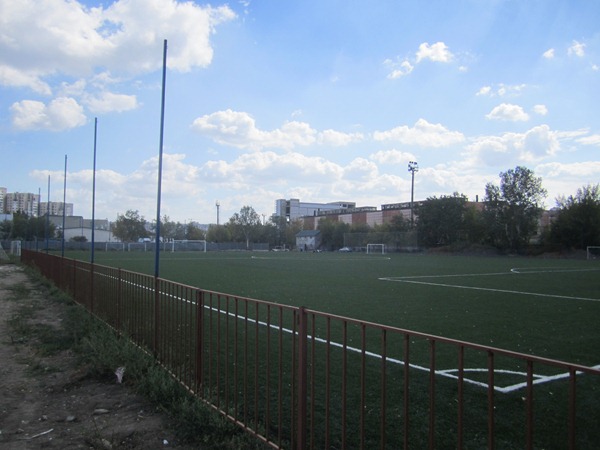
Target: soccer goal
593, 252
187, 246
375, 249
114, 246
3, 254
15, 248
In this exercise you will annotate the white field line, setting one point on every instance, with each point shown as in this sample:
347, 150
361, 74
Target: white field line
448, 373
515, 271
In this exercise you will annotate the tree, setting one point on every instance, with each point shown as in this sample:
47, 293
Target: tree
512, 210
23, 227
246, 222
332, 233
130, 227
441, 221
578, 222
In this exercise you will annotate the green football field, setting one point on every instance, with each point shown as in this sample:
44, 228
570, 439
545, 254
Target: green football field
544, 307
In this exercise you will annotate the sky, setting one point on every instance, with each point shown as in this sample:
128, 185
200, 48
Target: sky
320, 100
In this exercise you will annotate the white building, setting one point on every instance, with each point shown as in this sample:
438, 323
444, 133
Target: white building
293, 209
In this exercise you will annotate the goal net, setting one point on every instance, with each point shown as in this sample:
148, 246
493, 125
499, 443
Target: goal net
114, 246
376, 249
15, 248
593, 252
3, 254
187, 246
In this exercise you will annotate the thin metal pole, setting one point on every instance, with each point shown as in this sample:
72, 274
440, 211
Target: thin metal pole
160, 157
94, 193
48, 217
62, 251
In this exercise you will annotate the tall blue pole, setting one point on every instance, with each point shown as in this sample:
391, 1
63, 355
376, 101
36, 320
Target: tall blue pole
62, 251
160, 158
47, 231
94, 193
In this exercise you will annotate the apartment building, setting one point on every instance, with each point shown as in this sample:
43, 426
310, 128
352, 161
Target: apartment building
293, 208
20, 202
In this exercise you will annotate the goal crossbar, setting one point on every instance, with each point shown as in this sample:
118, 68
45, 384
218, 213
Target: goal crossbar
376, 248
593, 252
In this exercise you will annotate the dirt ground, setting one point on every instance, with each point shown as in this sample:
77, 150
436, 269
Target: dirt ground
47, 402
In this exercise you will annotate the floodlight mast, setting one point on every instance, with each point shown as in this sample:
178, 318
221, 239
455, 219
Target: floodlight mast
217, 204
413, 167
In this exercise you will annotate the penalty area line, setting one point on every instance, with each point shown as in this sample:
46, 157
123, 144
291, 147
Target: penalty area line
475, 288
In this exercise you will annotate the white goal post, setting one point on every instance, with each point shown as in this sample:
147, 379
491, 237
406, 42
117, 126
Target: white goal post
186, 246
15, 248
593, 252
376, 248
3, 254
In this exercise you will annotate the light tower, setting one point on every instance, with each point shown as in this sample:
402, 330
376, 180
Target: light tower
217, 204
412, 168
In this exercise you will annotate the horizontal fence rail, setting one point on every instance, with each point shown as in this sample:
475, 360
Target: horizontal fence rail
300, 378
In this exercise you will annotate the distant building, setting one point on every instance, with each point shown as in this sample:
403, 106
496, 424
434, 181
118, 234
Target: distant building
308, 240
293, 209
77, 226
23, 202
56, 208
2, 195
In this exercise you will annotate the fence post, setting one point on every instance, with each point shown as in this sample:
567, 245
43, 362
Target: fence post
199, 342
156, 314
302, 378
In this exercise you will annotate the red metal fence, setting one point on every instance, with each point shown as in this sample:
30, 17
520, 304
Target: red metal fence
299, 378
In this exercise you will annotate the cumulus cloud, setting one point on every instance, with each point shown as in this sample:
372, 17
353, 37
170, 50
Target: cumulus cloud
534, 145
398, 68
576, 49
437, 52
501, 90
540, 109
46, 39
508, 112
60, 114
594, 139
108, 101
238, 129
549, 54
12, 77
423, 133
392, 157
67, 37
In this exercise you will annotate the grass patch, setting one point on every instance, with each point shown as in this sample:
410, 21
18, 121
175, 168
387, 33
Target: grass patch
100, 351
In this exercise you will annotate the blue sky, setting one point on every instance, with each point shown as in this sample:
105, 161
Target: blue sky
318, 100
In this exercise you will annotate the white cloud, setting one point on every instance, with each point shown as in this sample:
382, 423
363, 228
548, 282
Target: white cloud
542, 110
45, 40
508, 112
423, 133
549, 54
11, 77
338, 138
577, 49
392, 157
398, 69
437, 52
501, 90
534, 145
60, 114
485, 90
107, 102
590, 140
239, 129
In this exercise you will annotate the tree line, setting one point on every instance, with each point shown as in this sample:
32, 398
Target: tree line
506, 219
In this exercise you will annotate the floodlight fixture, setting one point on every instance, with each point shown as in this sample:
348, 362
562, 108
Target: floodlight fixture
413, 167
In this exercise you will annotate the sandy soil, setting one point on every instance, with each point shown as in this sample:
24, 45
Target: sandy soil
48, 402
